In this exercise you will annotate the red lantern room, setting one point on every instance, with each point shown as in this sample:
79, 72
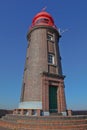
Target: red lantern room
43, 18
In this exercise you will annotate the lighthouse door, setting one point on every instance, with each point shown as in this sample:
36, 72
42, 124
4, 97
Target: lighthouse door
53, 99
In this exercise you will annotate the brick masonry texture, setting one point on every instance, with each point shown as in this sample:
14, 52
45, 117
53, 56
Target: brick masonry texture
37, 63
44, 123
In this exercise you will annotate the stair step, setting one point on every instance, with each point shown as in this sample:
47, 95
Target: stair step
17, 122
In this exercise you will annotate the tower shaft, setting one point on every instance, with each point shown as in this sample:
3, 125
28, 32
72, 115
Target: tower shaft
43, 81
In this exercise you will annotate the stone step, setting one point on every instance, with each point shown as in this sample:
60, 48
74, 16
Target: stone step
23, 126
44, 123
58, 122
41, 119
14, 117
46, 120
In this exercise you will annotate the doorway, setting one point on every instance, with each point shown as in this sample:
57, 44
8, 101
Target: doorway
53, 99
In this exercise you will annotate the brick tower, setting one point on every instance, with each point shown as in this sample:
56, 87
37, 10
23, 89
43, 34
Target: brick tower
43, 80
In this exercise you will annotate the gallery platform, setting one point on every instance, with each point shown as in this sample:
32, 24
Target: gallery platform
52, 122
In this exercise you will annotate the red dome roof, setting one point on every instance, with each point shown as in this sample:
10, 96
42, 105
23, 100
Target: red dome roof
43, 18
43, 14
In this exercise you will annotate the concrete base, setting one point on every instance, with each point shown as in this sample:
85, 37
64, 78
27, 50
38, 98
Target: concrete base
46, 113
30, 105
64, 113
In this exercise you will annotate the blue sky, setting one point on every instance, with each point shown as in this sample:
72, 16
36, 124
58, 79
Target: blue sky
15, 18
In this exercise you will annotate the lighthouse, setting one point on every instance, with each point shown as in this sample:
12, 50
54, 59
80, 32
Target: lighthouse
43, 80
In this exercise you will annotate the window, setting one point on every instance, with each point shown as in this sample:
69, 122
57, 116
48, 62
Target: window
50, 59
42, 20
50, 37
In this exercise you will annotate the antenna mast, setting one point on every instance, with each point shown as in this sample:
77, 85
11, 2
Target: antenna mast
44, 9
63, 31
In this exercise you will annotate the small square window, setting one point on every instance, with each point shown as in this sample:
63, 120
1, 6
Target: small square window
50, 59
50, 37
